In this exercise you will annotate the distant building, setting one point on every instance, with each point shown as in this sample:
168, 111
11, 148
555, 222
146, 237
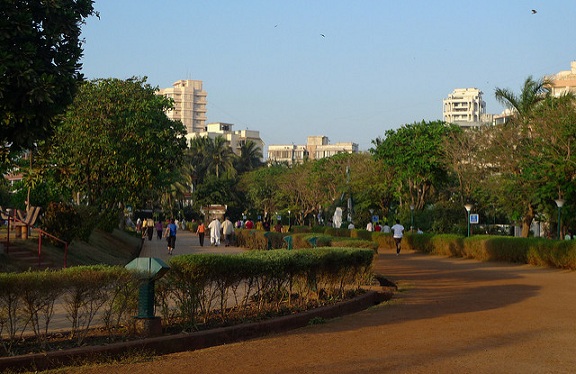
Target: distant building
189, 104
564, 81
466, 108
236, 139
317, 147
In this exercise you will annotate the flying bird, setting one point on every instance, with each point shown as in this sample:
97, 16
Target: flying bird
322, 35
534, 11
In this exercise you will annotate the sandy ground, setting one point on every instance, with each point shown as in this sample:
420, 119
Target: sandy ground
449, 316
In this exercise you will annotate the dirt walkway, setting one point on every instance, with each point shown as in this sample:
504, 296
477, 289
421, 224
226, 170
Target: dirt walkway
451, 316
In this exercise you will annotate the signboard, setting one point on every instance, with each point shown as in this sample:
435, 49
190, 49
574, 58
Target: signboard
474, 219
375, 218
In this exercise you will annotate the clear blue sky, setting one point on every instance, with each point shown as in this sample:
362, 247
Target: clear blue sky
380, 65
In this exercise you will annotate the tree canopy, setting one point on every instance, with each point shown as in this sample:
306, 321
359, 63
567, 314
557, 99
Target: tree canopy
116, 145
40, 49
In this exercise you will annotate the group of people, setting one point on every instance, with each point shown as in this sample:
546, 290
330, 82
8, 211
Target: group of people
217, 230
377, 227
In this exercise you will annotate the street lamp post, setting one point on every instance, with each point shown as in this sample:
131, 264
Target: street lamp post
560, 204
412, 218
468, 208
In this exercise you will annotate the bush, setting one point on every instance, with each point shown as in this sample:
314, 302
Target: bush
355, 243
62, 221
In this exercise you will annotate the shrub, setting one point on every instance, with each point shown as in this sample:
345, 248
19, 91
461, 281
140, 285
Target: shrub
62, 221
355, 243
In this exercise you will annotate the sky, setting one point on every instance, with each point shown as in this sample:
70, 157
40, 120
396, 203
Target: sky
348, 70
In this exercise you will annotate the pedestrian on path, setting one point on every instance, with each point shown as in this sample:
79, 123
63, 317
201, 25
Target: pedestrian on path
201, 232
398, 231
215, 229
159, 229
228, 231
171, 235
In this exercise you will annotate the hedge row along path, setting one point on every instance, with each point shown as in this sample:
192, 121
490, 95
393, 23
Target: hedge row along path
450, 316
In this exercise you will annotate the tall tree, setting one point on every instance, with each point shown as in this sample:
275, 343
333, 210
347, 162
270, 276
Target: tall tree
415, 153
250, 157
116, 145
523, 104
511, 143
40, 50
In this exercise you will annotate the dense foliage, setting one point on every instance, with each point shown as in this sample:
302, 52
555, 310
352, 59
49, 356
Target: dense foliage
40, 50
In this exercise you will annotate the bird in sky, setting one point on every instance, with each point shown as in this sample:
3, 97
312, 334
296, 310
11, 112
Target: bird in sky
322, 35
534, 11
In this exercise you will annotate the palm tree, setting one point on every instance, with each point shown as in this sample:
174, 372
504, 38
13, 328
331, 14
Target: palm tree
219, 157
250, 157
515, 145
533, 92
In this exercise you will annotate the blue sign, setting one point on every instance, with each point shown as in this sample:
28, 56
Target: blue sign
474, 219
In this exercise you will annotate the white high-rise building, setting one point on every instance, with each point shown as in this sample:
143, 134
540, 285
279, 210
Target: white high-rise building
465, 107
189, 104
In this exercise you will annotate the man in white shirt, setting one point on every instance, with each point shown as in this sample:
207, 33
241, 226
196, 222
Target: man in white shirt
398, 233
215, 228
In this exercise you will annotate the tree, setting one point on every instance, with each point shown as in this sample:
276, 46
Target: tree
415, 154
522, 105
212, 157
40, 49
261, 187
511, 143
249, 158
116, 145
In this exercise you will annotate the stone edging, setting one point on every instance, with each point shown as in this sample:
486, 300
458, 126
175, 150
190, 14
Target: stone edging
193, 341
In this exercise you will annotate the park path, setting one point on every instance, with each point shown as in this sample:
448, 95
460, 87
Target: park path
449, 316
186, 243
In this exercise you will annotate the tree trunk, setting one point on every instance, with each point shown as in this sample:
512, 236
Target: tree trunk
527, 221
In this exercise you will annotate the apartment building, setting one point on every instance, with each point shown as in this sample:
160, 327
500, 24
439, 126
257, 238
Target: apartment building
317, 147
465, 107
235, 138
564, 81
189, 104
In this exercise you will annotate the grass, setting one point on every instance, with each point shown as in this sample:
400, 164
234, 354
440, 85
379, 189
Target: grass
116, 248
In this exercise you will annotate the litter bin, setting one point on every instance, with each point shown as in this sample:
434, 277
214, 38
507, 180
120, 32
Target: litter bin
149, 269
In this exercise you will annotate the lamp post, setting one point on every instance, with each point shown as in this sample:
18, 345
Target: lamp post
412, 218
468, 208
560, 204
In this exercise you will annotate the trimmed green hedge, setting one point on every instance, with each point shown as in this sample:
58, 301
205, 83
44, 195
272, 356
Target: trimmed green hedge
87, 293
269, 281
534, 251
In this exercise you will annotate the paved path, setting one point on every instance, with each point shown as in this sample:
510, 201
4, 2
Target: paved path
186, 242
450, 316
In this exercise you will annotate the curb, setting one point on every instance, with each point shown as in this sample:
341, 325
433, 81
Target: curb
193, 341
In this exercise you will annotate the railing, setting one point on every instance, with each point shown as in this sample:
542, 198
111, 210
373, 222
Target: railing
41, 233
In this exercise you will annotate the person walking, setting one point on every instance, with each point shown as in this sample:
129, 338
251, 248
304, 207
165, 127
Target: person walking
159, 229
228, 231
201, 232
150, 228
398, 233
215, 228
370, 226
171, 235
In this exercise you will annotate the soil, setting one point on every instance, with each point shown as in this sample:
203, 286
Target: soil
448, 316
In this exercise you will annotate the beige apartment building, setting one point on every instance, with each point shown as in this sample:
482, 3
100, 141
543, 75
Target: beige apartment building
235, 138
465, 107
317, 147
564, 81
189, 104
